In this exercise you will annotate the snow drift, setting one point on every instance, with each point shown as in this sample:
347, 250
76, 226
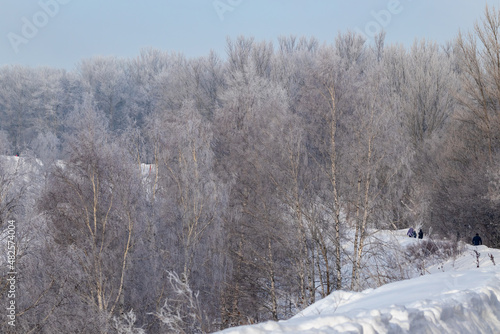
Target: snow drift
456, 297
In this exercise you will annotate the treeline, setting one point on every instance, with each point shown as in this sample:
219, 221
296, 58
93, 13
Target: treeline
142, 181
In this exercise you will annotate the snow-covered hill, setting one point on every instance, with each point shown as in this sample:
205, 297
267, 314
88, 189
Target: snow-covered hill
453, 297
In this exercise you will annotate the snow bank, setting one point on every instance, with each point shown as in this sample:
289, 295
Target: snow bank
457, 297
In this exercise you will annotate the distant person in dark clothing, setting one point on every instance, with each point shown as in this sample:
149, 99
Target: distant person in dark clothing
476, 241
411, 233
420, 234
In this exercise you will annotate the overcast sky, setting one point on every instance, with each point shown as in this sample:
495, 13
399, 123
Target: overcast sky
59, 33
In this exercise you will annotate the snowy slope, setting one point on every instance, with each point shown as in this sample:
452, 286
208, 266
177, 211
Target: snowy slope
455, 297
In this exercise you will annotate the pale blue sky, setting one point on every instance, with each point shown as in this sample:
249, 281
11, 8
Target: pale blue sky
59, 33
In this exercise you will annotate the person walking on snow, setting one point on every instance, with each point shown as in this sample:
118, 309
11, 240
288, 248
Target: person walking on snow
420, 234
476, 241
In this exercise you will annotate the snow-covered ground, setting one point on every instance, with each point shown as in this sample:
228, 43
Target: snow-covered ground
453, 297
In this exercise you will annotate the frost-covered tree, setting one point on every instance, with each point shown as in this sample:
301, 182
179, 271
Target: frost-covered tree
92, 216
104, 78
427, 90
29, 103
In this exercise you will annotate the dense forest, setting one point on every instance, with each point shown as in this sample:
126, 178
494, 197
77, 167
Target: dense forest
165, 194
